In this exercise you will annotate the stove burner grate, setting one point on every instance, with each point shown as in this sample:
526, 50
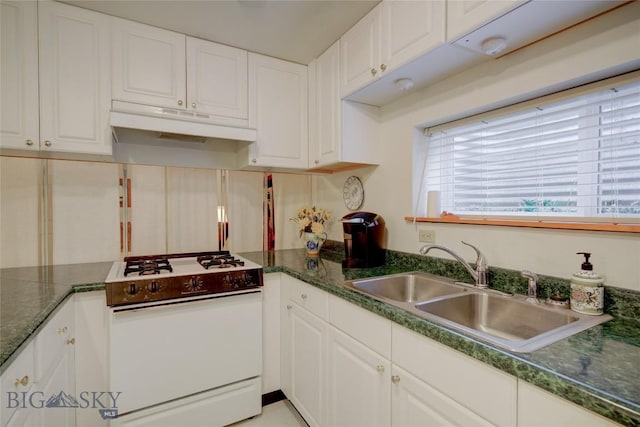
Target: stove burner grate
147, 266
219, 261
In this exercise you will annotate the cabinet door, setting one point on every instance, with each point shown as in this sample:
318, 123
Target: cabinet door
57, 389
465, 16
17, 380
409, 29
271, 333
19, 75
360, 53
539, 408
472, 377
75, 79
415, 403
278, 111
90, 327
358, 386
217, 79
148, 65
54, 339
325, 144
304, 358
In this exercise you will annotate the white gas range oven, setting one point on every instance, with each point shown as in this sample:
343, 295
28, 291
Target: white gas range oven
185, 339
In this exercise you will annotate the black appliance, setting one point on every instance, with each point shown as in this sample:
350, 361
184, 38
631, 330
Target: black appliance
363, 240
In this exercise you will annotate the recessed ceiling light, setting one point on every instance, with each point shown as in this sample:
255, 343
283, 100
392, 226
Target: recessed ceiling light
493, 45
404, 83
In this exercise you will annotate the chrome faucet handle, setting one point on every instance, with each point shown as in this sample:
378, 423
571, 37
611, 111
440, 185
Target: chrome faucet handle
481, 261
532, 290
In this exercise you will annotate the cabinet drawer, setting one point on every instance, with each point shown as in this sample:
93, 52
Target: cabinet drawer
17, 378
371, 330
52, 339
437, 365
311, 298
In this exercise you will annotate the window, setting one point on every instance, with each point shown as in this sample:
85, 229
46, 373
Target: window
568, 157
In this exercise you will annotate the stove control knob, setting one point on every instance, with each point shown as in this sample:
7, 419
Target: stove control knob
154, 287
194, 284
133, 289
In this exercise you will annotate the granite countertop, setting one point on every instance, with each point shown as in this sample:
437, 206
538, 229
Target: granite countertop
29, 295
597, 369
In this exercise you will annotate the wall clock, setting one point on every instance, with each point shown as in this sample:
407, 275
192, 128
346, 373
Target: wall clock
353, 193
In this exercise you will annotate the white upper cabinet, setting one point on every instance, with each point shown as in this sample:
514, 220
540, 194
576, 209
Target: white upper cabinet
360, 53
393, 33
278, 110
342, 133
19, 75
324, 108
157, 67
409, 29
148, 65
56, 81
75, 79
217, 79
466, 16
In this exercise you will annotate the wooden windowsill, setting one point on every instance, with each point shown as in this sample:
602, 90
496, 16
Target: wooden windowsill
452, 219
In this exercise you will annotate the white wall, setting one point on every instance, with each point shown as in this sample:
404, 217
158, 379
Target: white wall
594, 49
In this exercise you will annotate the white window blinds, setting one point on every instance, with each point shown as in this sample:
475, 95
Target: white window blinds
575, 157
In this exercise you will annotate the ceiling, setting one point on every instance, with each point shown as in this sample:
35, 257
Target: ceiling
294, 30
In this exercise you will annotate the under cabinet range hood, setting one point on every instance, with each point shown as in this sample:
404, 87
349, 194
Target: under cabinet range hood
174, 124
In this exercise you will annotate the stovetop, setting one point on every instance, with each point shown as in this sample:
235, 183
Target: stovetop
151, 278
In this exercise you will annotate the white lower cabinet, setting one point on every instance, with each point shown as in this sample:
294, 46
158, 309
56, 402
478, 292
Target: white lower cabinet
372, 372
539, 408
359, 392
38, 384
416, 403
91, 353
55, 368
271, 333
469, 382
17, 380
57, 389
304, 361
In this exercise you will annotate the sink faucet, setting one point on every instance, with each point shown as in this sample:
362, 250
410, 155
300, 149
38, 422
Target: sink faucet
479, 274
533, 286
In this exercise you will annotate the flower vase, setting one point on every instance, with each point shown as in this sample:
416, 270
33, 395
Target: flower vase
313, 242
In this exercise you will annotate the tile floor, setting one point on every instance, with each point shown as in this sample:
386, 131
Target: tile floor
279, 414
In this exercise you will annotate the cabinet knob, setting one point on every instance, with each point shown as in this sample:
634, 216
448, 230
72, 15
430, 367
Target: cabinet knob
380, 368
22, 381
317, 161
374, 71
193, 105
383, 67
395, 379
254, 160
63, 330
71, 341
303, 296
47, 143
179, 101
29, 142
289, 306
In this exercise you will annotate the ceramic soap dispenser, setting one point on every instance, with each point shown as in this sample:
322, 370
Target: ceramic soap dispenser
587, 291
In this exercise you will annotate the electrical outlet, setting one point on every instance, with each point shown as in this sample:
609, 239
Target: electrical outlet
427, 236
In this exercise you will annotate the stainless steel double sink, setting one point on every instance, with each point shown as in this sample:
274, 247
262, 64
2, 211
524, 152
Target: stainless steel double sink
507, 321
